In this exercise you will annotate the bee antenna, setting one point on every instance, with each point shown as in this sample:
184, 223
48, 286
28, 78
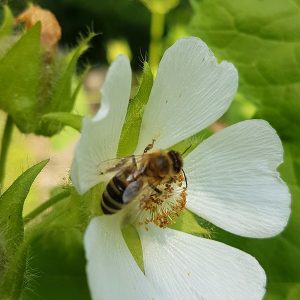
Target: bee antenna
186, 149
186, 184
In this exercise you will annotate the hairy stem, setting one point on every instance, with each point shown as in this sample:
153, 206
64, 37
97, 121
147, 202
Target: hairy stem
6, 138
157, 30
53, 200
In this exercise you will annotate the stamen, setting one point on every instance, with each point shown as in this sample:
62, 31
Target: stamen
162, 209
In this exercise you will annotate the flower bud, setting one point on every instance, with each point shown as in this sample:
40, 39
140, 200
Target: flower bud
51, 30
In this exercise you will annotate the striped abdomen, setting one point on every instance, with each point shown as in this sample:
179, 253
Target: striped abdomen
112, 197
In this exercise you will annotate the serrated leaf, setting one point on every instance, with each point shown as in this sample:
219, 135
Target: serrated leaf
131, 128
12, 251
262, 39
7, 22
19, 79
65, 118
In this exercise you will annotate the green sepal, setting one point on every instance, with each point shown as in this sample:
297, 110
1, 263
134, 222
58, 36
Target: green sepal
13, 251
133, 243
190, 223
7, 23
131, 128
62, 96
20, 71
65, 119
188, 145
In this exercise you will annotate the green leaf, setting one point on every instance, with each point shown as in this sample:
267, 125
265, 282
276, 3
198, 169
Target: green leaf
131, 128
262, 39
19, 77
12, 250
7, 23
65, 118
62, 97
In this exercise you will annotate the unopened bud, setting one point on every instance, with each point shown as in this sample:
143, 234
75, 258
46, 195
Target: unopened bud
51, 30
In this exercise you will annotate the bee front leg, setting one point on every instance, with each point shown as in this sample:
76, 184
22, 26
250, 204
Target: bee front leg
149, 147
154, 188
134, 160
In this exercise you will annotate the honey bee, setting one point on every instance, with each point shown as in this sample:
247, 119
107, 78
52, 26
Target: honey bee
156, 181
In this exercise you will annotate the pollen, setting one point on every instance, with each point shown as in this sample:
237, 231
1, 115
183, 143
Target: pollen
163, 208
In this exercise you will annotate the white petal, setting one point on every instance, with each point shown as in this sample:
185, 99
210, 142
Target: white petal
111, 270
182, 266
233, 182
190, 92
100, 135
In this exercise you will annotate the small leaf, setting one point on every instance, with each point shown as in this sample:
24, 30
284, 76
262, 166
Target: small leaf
19, 77
65, 118
12, 250
131, 128
8, 21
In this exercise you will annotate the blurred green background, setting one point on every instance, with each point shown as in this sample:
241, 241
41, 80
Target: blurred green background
261, 37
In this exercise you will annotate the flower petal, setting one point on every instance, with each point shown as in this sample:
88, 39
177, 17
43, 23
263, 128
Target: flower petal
190, 92
111, 270
183, 266
233, 182
100, 135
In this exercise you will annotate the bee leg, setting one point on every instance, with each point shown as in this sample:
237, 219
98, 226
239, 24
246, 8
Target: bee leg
149, 147
154, 188
134, 160
172, 180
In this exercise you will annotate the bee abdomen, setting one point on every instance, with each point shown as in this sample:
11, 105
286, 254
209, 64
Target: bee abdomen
112, 197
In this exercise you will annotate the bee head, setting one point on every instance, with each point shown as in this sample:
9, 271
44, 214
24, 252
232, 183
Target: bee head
161, 164
177, 162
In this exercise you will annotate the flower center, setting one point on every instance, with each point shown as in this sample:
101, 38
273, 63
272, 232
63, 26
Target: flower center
162, 204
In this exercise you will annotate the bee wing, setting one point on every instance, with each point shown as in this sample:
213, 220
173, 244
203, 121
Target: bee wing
116, 164
132, 190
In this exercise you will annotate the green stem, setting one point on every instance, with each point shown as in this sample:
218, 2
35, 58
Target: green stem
6, 138
53, 200
156, 33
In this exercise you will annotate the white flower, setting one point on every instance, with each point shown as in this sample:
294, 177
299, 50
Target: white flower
232, 182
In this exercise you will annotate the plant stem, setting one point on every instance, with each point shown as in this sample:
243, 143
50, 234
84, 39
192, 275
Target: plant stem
156, 33
53, 200
6, 138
